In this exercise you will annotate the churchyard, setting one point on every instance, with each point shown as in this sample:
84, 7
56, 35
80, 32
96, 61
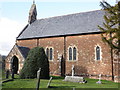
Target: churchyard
57, 83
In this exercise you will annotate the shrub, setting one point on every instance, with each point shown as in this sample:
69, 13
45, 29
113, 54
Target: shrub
36, 59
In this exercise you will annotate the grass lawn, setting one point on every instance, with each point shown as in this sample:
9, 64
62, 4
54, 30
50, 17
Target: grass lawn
58, 83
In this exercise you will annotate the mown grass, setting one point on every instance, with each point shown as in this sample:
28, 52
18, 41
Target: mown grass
58, 82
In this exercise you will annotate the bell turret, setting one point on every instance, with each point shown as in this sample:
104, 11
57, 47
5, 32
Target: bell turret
32, 13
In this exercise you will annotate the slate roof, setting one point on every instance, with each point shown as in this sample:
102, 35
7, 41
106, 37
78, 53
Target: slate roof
79, 23
24, 50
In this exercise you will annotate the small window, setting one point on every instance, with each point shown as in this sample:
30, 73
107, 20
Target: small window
47, 52
74, 53
97, 53
51, 53
70, 53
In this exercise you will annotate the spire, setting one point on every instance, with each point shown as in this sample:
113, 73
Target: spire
32, 13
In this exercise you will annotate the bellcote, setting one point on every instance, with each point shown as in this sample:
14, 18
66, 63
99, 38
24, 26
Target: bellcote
32, 13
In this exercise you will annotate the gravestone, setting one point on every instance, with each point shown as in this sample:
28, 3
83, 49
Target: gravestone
99, 82
48, 85
7, 74
74, 78
12, 73
38, 76
38, 72
72, 70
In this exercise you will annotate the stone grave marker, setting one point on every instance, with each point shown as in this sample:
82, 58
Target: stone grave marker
38, 72
48, 85
99, 82
7, 74
72, 70
38, 76
74, 78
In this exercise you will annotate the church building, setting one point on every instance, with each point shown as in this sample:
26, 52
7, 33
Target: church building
68, 40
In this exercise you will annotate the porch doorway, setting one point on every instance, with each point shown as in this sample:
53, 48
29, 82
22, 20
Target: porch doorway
14, 64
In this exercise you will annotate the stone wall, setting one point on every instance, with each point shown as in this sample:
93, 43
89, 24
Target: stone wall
14, 52
27, 43
116, 66
86, 63
57, 43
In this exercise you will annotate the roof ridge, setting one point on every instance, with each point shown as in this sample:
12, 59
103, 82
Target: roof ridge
69, 14
84, 22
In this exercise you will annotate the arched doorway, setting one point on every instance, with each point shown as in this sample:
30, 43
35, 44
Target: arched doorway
14, 64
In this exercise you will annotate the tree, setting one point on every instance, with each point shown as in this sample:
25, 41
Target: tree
0, 57
111, 28
2, 61
36, 59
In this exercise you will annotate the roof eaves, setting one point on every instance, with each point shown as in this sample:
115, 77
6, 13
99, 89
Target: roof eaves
23, 30
60, 35
21, 51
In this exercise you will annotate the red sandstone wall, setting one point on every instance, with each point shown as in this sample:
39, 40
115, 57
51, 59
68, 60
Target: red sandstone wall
14, 52
57, 44
86, 63
85, 44
27, 43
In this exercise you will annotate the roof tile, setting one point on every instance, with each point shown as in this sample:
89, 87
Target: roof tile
85, 22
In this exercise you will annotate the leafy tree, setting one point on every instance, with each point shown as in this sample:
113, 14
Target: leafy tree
36, 59
2, 61
0, 57
111, 28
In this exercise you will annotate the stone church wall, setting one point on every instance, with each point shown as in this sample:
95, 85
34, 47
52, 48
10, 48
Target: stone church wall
14, 52
57, 43
85, 64
27, 43
116, 65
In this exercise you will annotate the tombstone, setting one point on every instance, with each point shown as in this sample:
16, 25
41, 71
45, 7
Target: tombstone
73, 88
73, 78
38, 76
13, 73
38, 73
7, 74
13, 70
72, 70
99, 82
48, 85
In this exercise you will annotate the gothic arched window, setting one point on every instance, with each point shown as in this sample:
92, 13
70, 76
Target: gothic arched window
47, 52
51, 54
70, 53
98, 53
74, 53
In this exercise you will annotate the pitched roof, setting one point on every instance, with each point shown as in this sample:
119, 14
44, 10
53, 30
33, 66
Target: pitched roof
79, 23
24, 51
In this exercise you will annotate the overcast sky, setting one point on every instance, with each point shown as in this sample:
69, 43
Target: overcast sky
14, 15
